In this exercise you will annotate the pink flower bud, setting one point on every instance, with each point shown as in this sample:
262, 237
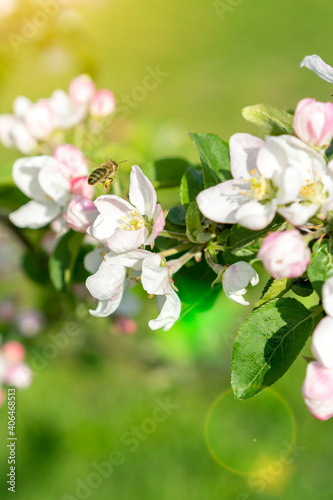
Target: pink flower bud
285, 254
73, 161
80, 186
81, 89
313, 122
81, 213
102, 104
13, 351
7, 310
40, 119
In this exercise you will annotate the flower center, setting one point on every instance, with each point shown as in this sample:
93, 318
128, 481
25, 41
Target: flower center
313, 192
261, 188
134, 222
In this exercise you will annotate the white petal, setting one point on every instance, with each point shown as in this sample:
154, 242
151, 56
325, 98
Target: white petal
22, 138
170, 308
55, 185
235, 280
35, 214
132, 259
93, 259
289, 183
255, 215
327, 293
155, 279
316, 64
112, 204
107, 307
25, 175
298, 213
142, 193
21, 105
220, 203
322, 342
123, 241
105, 282
244, 150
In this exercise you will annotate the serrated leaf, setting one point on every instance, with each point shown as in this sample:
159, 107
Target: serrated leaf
273, 120
191, 185
62, 262
275, 289
194, 230
214, 156
267, 344
321, 267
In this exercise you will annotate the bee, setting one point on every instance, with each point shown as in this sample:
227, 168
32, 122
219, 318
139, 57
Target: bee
104, 174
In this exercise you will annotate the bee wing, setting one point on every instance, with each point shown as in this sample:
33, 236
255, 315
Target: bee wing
92, 164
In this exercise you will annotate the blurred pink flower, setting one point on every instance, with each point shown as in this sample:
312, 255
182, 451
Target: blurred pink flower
30, 322
81, 213
102, 104
81, 89
13, 351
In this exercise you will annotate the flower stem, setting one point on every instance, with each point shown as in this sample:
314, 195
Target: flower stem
172, 234
175, 250
176, 264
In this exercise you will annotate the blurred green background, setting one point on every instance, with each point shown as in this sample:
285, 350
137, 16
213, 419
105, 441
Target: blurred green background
84, 402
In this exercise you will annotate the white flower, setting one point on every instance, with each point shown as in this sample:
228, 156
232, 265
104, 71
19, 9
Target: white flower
156, 280
318, 66
236, 278
67, 113
123, 226
47, 181
268, 177
109, 282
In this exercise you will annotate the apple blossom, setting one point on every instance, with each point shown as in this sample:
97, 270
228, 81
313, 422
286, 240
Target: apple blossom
13, 371
156, 280
281, 175
67, 113
39, 119
6, 126
236, 278
318, 384
122, 226
81, 213
13, 351
81, 89
313, 122
47, 181
102, 104
285, 254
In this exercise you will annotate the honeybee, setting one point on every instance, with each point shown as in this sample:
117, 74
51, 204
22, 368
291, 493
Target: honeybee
104, 174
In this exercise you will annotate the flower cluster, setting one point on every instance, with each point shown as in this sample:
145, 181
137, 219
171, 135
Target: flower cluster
253, 200
36, 124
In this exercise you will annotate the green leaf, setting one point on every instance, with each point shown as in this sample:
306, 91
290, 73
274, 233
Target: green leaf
214, 156
321, 267
275, 289
267, 344
273, 120
191, 185
35, 267
169, 171
177, 215
302, 288
62, 262
193, 222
